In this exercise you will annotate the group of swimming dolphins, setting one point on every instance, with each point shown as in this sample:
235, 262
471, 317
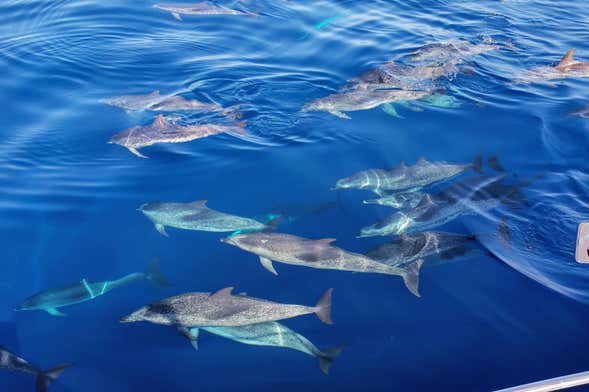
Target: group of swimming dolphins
255, 321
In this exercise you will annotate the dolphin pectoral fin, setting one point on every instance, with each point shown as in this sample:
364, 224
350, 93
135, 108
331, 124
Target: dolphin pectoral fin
390, 110
161, 229
267, 263
339, 114
55, 312
137, 153
190, 334
408, 105
177, 16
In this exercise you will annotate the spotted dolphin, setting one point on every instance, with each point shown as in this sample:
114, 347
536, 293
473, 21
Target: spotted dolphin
293, 250
12, 362
568, 67
202, 8
223, 309
273, 334
455, 51
53, 299
406, 178
197, 216
162, 130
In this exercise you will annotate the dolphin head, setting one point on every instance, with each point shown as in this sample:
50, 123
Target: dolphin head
249, 242
138, 315
358, 181
147, 208
119, 139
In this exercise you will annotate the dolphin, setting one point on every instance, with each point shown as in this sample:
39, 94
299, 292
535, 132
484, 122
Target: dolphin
392, 75
470, 197
222, 309
155, 102
582, 112
408, 248
290, 249
202, 8
568, 67
400, 201
274, 334
164, 131
53, 299
360, 99
407, 178
197, 216
455, 51
14, 363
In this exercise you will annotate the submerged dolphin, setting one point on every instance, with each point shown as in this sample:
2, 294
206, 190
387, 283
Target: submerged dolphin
156, 102
568, 67
202, 8
14, 363
407, 248
222, 309
273, 334
290, 249
164, 131
468, 198
582, 112
52, 299
455, 51
197, 216
406, 178
360, 99
400, 201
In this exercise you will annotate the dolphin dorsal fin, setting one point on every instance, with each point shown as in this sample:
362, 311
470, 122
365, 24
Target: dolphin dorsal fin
154, 93
421, 160
402, 165
425, 201
567, 58
226, 292
160, 121
199, 203
326, 241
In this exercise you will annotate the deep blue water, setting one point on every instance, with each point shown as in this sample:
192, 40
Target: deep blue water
68, 199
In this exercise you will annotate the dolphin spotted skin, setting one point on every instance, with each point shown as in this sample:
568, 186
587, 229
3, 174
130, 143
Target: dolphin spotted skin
164, 131
407, 248
12, 362
53, 299
400, 201
568, 67
290, 249
196, 216
406, 178
455, 51
202, 8
222, 309
471, 197
360, 99
274, 334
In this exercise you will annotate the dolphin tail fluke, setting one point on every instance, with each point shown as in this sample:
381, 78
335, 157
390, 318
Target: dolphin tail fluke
323, 307
477, 164
411, 277
326, 358
155, 276
47, 377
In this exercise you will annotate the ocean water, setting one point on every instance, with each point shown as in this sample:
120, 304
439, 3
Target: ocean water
510, 312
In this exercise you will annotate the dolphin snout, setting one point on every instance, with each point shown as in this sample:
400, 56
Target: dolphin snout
226, 240
126, 319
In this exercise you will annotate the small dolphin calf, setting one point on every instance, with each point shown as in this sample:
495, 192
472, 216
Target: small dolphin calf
360, 99
202, 8
274, 334
14, 363
406, 178
400, 201
222, 309
407, 248
290, 249
164, 131
568, 67
197, 216
53, 299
